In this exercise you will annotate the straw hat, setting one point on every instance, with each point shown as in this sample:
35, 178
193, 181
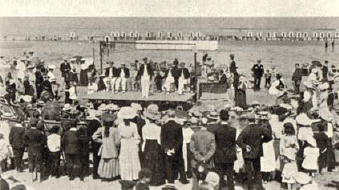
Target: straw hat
127, 112
302, 178
255, 103
103, 107
169, 187
194, 120
152, 112
67, 107
98, 113
324, 86
113, 107
213, 115
136, 106
326, 115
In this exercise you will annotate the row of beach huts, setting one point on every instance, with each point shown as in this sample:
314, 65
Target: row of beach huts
238, 34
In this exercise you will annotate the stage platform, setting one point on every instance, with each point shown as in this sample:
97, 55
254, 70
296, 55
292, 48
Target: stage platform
136, 96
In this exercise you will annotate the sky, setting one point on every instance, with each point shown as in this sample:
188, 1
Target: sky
170, 8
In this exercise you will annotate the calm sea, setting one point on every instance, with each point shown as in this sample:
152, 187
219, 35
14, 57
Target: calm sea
62, 26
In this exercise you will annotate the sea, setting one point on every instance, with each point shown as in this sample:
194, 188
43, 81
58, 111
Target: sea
92, 26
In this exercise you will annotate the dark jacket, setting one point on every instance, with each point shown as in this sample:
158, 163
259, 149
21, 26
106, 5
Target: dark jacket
172, 72
171, 136
35, 140
115, 72
225, 139
126, 70
253, 135
141, 71
183, 71
70, 142
202, 146
233, 67
17, 137
297, 75
258, 70
92, 127
65, 67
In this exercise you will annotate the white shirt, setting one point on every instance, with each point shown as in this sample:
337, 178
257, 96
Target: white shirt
51, 76
54, 142
122, 74
145, 74
187, 134
72, 93
110, 73
151, 131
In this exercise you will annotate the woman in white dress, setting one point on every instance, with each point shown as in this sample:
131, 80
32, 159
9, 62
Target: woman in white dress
129, 141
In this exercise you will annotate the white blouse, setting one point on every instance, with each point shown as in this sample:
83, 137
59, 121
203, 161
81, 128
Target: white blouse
150, 131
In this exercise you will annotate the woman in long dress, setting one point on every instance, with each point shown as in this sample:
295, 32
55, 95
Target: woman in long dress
152, 152
108, 136
240, 93
129, 142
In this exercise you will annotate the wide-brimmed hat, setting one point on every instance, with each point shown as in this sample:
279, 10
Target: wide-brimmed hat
213, 115
302, 178
169, 187
311, 140
113, 107
103, 107
326, 115
67, 107
108, 117
324, 86
152, 112
127, 112
193, 120
136, 106
213, 179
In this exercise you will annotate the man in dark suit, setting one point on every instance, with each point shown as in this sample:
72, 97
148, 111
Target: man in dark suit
65, 68
258, 71
225, 153
16, 139
171, 142
123, 74
250, 141
111, 75
233, 65
183, 76
145, 74
92, 126
202, 146
70, 145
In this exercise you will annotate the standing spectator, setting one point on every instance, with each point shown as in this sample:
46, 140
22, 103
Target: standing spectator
129, 145
240, 93
250, 141
70, 146
258, 71
202, 146
225, 153
171, 142
288, 152
16, 139
311, 154
54, 147
296, 78
145, 74
72, 92
65, 68
325, 70
35, 141
39, 79
153, 156
84, 151
123, 76
169, 79
326, 46
108, 137
233, 65
322, 143
92, 126
268, 77
84, 65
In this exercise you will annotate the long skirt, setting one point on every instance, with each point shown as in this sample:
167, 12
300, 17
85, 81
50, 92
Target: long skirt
108, 168
154, 160
83, 78
129, 159
268, 161
240, 99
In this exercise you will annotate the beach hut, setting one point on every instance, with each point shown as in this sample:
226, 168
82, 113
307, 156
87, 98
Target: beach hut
159, 35
305, 34
274, 36
192, 35
72, 35
269, 35
179, 35
259, 34
291, 34
337, 35
107, 38
169, 35
315, 35
322, 35
131, 34
299, 35
136, 35
329, 35
249, 34
198, 35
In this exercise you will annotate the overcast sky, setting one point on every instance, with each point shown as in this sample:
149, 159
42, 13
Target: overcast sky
170, 8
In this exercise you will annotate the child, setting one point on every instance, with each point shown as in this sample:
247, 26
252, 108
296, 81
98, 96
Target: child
158, 81
288, 151
53, 144
322, 142
311, 154
34, 140
306, 182
268, 76
145, 176
73, 92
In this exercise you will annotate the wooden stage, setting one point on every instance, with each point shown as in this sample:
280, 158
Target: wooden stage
136, 96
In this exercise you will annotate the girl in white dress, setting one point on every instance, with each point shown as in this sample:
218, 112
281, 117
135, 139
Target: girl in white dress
311, 154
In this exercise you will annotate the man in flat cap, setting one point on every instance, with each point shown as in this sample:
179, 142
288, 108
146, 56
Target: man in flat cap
258, 71
250, 141
145, 74
123, 75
